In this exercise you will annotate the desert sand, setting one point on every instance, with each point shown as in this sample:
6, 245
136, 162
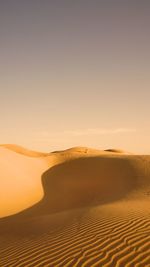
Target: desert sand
77, 207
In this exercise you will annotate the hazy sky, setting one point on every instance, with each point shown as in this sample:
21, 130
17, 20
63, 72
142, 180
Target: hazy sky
75, 73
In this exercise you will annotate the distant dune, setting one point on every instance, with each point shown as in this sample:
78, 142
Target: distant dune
23, 151
115, 150
76, 207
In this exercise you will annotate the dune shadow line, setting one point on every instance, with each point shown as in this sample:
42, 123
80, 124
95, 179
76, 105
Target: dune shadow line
84, 182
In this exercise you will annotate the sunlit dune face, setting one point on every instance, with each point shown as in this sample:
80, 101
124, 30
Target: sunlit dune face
20, 181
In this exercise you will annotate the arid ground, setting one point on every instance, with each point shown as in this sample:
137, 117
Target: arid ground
78, 207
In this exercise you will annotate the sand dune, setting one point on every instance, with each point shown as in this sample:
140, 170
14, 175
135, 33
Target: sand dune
78, 207
24, 151
20, 181
115, 150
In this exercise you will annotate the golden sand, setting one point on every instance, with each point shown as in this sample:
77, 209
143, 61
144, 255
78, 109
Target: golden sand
78, 207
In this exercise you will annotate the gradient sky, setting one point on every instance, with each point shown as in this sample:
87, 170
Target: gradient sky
75, 73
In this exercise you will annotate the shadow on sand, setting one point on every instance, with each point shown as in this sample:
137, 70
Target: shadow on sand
80, 183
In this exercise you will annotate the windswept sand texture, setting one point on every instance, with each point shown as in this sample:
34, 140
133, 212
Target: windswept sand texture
78, 207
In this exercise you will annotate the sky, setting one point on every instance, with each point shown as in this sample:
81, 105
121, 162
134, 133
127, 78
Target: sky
75, 73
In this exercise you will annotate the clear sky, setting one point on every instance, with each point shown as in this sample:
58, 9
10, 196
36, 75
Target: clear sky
75, 73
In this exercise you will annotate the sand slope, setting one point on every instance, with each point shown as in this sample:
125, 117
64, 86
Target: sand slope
20, 181
79, 207
23, 151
